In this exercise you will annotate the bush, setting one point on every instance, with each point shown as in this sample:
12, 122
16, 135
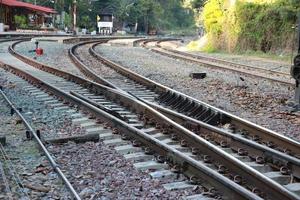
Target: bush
251, 25
21, 21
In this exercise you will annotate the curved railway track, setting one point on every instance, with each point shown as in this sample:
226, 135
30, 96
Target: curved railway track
198, 157
119, 116
237, 142
242, 69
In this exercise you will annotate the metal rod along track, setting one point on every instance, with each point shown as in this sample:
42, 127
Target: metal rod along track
191, 138
54, 165
223, 64
187, 105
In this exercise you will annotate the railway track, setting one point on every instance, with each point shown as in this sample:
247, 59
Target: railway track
245, 141
242, 69
9, 166
180, 141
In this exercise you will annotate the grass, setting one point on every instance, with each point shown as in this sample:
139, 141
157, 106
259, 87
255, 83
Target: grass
207, 48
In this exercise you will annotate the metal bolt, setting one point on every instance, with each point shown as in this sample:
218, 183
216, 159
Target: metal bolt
207, 137
174, 137
284, 170
175, 169
194, 180
270, 144
287, 151
158, 126
160, 159
242, 152
223, 144
106, 125
115, 131
256, 191
195, 151
222, 169
207, 159
259, 160
124, 137
237, 179
148, 151
256, 138
136, 143
183, 143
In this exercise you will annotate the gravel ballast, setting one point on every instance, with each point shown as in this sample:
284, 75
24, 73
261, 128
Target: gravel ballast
259, 101
95, 170
55, 54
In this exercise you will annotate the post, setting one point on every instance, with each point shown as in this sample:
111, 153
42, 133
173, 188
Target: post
2, 15
295, 71
74, 16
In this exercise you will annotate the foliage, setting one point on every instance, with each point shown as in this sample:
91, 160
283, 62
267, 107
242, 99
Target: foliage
21, 21
67, 20
158, 14
259, 25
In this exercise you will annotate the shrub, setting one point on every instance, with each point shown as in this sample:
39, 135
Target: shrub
21, 21
259, 25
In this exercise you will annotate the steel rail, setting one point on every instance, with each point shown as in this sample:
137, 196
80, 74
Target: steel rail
254, 148
210, 149
85, 70
276, 159
143, 43
238, 123
231, 189
54, 165
277, 73
210, 63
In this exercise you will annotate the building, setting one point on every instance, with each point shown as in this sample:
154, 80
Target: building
16, 14
105, 21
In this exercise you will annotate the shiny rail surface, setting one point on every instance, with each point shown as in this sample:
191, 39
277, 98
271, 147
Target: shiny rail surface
256, 150
242, 69
54, 165
204, 112
209, 153
193, 141
194, 165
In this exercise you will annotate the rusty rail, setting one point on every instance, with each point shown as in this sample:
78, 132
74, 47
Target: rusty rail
54, 165
237, 123
233, 164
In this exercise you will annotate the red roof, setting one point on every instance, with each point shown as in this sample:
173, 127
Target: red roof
14, 3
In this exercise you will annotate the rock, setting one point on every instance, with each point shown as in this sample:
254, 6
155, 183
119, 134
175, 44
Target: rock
86, 192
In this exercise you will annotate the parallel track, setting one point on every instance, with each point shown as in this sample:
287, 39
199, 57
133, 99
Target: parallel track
126, 114
223, 163
242, 69
182, 143
193, 108
31, 131
255, 148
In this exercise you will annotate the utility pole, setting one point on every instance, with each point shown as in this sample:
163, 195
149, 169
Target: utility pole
2, 15
74, 13
295, 70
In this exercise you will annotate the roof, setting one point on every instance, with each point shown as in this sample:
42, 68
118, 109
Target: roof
15, 3
109, 10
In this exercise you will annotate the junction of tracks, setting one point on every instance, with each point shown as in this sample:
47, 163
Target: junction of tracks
121, 118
